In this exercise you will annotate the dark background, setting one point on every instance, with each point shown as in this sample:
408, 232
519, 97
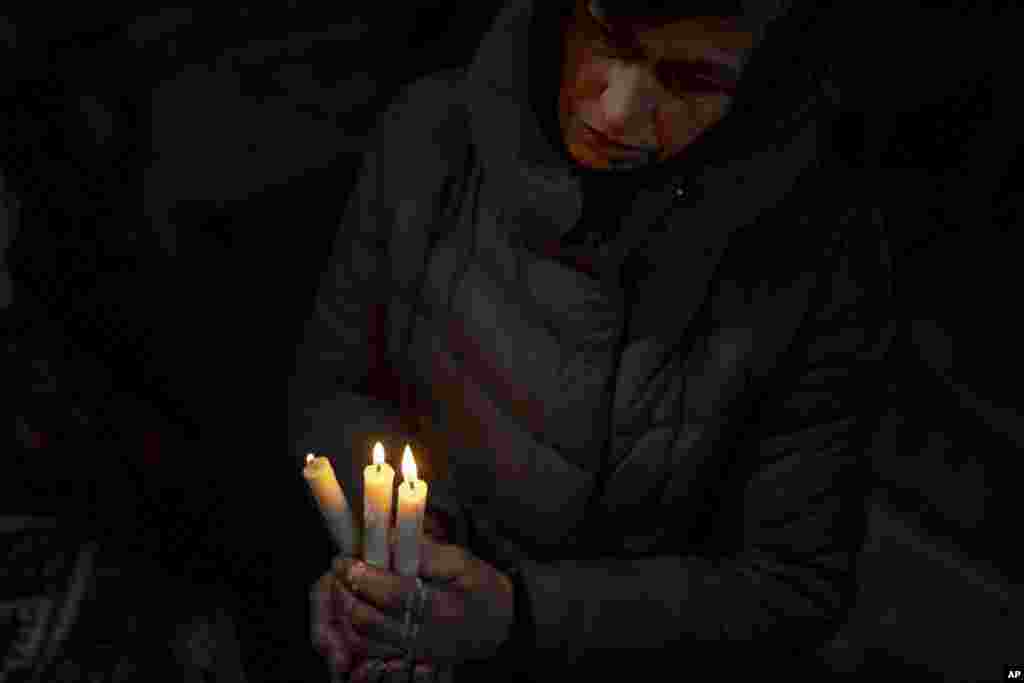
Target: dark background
177, 176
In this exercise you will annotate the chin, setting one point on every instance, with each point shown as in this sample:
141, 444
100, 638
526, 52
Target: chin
628, 164
589, 158
585, 157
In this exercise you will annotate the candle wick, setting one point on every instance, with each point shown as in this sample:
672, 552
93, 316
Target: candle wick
378, 468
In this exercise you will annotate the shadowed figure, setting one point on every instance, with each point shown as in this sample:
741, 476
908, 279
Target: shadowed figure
616, 285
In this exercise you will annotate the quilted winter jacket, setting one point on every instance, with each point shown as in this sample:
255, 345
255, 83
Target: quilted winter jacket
668, 445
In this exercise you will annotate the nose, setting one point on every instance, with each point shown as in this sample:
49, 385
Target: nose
628, 101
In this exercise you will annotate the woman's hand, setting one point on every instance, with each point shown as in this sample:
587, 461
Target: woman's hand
468, 615
333, 634
332, 631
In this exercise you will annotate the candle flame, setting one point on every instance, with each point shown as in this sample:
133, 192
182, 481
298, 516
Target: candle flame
309, 458
408, 465
378, 454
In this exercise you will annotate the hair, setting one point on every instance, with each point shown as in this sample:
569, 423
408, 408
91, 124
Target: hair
670, 8
754, 12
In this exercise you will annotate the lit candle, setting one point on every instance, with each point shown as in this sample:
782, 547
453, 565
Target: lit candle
332, 502
412, 500
378, 488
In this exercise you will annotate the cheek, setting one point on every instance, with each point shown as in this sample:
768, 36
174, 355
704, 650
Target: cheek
665, 126
587, 79
677, 124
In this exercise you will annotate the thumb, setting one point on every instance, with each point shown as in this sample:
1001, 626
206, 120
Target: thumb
441, 561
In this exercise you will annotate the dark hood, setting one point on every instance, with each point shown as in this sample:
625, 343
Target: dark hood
515, 80
512, 92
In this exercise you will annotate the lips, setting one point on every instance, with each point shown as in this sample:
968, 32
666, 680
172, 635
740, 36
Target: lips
627, 150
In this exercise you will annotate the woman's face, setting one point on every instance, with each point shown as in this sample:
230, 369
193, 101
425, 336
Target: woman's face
634, 93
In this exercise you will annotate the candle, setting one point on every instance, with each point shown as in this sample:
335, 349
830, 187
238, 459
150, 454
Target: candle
412, 500
378, 488
331, 500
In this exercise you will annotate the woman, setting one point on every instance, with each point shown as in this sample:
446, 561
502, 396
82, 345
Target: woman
619, 263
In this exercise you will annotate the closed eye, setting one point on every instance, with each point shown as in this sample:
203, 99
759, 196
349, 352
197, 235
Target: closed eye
696, 77
678, 76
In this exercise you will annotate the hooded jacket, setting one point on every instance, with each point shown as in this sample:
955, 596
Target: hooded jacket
648, 396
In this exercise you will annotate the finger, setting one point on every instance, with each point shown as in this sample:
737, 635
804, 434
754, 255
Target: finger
395, 666
319, 605
339, 667
367, 630
326, 636
380, 630
363, 648
441, 561
424, 672
398, 665
341, 566
353, 622
384, 590
368, 672
332, 646
398, 670
361, 673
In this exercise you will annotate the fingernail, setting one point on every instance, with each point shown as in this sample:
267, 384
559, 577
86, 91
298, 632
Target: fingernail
353, 573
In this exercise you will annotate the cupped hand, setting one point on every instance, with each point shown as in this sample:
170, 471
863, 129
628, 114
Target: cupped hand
469, 613
332, 631
334, 635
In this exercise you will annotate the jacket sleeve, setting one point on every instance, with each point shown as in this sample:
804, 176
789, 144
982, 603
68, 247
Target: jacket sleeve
790, 584
344, 393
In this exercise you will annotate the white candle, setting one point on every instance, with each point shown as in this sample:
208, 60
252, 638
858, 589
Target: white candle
378, 488
332, 502
412, 501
